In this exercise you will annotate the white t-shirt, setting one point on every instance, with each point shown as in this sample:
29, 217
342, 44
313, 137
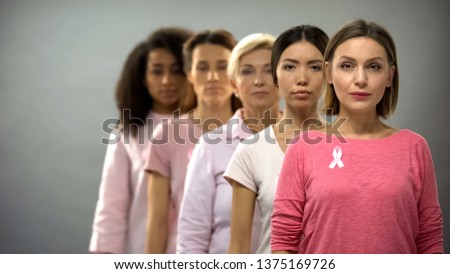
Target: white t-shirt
256, 164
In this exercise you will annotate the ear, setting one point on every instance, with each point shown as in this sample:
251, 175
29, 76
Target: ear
233, 85
391, 76
189, 77
328, 75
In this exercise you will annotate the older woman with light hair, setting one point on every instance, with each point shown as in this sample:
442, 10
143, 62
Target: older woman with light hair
204, 222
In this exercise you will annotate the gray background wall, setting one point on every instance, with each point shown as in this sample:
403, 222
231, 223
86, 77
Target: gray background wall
59, 62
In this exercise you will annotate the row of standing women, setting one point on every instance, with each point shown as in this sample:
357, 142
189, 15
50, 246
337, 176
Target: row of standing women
220, 176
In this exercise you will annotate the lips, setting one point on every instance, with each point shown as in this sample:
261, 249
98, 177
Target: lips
301, 94
360, 95
213, 89
260, 93
168, 92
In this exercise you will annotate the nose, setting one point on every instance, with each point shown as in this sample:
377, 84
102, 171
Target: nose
259, 81
302, 77
213, 75
167, 78
361, 77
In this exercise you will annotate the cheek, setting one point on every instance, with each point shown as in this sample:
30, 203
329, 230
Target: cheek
318, 79
285, 82
198, 79
224, 77
242, 86
341, 81
151, 82
180, 80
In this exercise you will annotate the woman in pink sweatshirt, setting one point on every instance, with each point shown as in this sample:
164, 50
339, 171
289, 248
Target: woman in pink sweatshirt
148, 91
359, 185
206, 56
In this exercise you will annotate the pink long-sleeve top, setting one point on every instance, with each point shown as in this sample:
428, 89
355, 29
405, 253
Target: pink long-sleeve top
170, 152
205, 217
120, 217
357, 196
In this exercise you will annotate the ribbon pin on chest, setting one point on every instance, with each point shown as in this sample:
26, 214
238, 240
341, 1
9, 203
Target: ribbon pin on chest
337, 155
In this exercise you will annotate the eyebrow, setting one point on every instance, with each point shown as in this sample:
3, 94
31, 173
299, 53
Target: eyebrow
175, 64
251, 65
297, 62
370, 60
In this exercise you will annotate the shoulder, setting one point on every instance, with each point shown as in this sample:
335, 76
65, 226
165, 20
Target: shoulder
311, 137
263, 138
408, 138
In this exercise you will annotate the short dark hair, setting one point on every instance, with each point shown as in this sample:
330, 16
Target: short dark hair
362, 28
308, 33
131, 91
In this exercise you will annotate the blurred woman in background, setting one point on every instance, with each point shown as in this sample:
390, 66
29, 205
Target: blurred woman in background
206, 56
148, 91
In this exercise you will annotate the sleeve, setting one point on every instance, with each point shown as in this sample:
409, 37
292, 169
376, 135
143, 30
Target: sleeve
289, 203
111, 214
158, 159
241, 168
196, 214
430, 236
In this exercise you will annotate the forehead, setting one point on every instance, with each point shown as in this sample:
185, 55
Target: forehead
209, 52
301, 50
258, 56
363, 47
161, 56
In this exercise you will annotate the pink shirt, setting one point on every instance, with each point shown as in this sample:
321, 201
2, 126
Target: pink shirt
204, 223
170, 152
121, 212
358, 196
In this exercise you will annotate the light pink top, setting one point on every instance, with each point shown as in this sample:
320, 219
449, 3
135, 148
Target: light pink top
204, 223
363, 196
170, 152
121, 212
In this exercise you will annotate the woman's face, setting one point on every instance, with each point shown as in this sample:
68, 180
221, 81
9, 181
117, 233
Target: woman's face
208, 74
360, 73
253, 81
300, 75
164, 80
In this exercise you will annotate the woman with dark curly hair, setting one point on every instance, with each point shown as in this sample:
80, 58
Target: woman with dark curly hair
148, 91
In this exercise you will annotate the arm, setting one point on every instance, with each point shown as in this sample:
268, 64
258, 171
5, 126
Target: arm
158, 210
288, 206
158, 165
111, 214
240, 174
243, 208
430, 236
195, 226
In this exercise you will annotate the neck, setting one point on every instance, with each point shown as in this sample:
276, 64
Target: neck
257, 119
164, 109
211, 118
293, 122
299, 119
361, 125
